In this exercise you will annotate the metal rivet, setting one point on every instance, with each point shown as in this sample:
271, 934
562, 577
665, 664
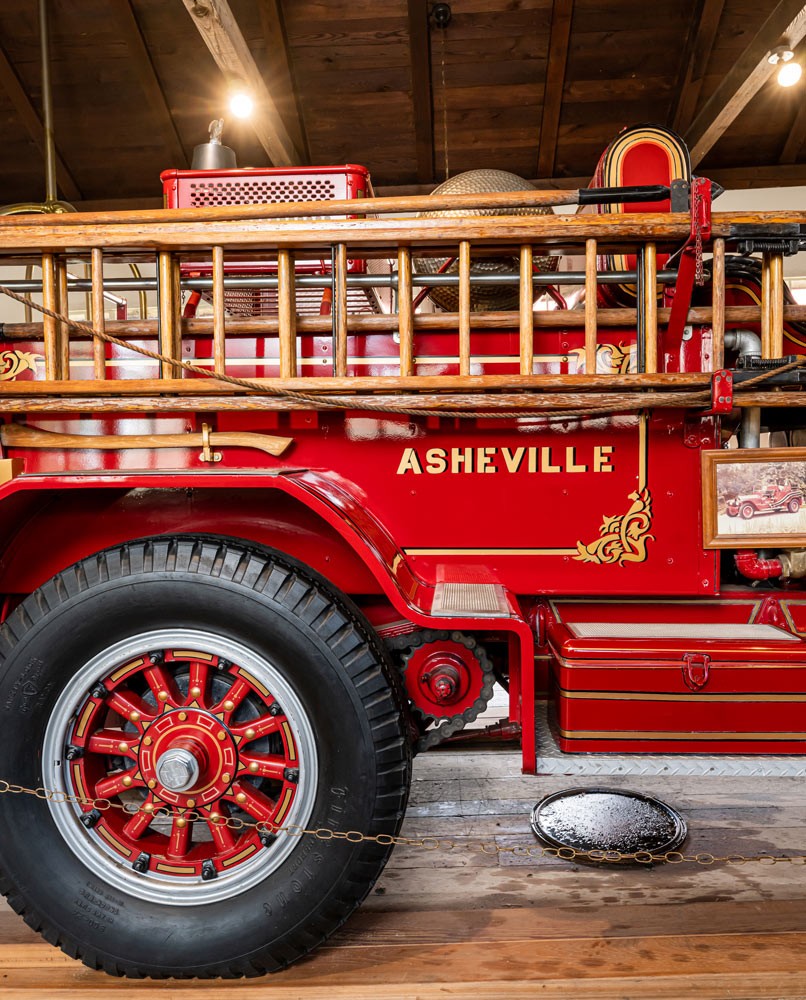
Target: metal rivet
134, 716
240, 797
254, 767
163, 696
181, 822
228, 706
226, 777
152, 783
182, 716
195, 692
221, 735
123, 747
147, 741
127, 781
250, 734
148, 807
191, 803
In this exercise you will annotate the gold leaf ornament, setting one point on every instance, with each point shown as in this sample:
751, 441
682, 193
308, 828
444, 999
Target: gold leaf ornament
622, 538
14, 363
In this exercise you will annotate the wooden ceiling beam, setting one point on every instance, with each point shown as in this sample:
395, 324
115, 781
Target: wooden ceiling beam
421, 88
279, 74
27, 114
699, 45
748, 75
796, 136
217, 25
146, 72
561, 14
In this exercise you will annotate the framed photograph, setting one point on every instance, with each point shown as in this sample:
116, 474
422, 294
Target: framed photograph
754, 497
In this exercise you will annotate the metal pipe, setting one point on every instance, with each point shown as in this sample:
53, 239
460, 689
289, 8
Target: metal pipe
353, 281
743, 342
750, 427
47, 104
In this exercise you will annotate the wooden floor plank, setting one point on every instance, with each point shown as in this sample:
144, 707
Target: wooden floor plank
455, 923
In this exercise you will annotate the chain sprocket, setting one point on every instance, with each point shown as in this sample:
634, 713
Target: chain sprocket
407, 645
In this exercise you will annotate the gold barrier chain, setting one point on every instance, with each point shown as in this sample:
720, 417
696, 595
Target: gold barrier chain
427, 843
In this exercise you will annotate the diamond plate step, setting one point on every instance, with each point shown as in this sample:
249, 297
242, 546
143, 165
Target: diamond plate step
551, 760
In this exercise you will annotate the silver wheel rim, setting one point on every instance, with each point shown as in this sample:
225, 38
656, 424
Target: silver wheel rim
95, 854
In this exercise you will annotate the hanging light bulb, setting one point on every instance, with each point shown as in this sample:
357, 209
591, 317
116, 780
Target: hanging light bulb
241, 104
790, 71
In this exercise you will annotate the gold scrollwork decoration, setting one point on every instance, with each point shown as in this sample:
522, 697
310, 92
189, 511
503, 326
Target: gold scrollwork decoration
14, 363
610, 358
623, 538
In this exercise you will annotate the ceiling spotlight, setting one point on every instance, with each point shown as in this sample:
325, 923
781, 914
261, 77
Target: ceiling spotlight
790, 72
241, 104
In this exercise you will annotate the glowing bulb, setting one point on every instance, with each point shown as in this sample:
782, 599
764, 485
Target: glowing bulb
789, 74
241, 105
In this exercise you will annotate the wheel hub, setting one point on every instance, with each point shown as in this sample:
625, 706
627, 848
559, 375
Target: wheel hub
187, 754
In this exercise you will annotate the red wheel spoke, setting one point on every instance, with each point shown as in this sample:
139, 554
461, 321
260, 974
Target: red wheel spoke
253, 730
162, 685
223, 836
114, 784
129, 704
110, 741
179, 843
199, 673
236, 694
268, 765
253, 801
139, 823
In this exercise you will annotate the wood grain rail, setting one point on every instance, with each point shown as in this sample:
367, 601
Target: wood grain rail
238, 326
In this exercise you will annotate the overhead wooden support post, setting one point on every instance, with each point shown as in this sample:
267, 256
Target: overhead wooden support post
561, 14
464, 308
219, 312
750, 72
340, 311
650, 306
51, 327
703, 30
421, 96
219, 29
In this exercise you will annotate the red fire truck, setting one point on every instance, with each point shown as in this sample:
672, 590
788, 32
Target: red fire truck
256, 556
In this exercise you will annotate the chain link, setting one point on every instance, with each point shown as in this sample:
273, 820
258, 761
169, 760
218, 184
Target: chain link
426, 843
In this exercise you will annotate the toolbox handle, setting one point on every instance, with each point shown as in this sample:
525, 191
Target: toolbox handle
696, 670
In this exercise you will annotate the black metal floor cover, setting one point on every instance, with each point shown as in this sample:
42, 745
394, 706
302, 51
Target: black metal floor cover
603, 819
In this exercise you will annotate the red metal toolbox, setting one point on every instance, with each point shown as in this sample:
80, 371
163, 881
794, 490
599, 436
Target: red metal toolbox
678, 687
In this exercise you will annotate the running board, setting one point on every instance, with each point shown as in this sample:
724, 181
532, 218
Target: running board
473, 600
552, 760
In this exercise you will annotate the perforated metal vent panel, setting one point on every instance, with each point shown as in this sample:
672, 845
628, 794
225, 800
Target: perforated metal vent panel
481, 599
677, 630
264, 190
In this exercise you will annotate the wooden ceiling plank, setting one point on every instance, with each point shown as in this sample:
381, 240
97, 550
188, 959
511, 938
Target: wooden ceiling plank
749, 74
697, 54
421, 88
146, 72
796, 135
217, 25
27, 114
561, 14
280, 74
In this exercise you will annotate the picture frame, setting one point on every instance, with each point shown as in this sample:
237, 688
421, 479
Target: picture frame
754, 497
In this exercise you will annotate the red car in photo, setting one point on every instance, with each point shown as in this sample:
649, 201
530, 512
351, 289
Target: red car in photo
783, 498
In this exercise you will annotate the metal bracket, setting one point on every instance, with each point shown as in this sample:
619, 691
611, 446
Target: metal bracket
696, 670
721, 393
208, 455
786, 238
679, 195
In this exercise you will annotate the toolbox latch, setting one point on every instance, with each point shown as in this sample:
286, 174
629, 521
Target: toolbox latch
696, 670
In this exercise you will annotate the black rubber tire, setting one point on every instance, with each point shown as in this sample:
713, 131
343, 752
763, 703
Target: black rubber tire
340, 674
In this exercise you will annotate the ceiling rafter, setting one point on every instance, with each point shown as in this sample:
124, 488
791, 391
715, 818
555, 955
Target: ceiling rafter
217, 25
279, 73
146, 72
748, 75
421, 88
562, 12
699, 45
28, 115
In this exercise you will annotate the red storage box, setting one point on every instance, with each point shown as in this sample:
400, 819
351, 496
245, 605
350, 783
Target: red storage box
677, 687
272, 185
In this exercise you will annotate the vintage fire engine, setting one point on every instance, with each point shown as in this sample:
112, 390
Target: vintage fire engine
256, 556
775, 499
